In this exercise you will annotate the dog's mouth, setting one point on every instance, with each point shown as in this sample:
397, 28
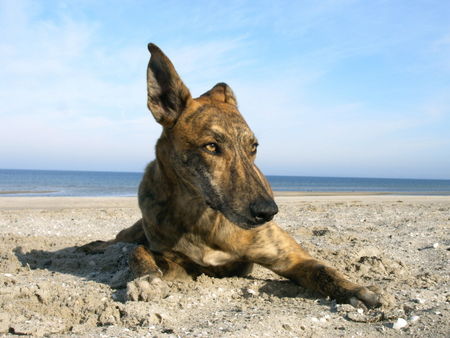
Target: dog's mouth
261, 220
254, 223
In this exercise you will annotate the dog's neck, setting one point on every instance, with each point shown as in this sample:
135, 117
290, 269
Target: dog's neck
174, 182
166, 186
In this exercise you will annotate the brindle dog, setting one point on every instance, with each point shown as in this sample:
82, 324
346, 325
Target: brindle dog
206, 207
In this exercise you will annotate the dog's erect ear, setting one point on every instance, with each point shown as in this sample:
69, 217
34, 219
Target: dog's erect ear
167, 96
221, 92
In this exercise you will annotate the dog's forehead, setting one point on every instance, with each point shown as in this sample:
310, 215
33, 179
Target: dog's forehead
222, 118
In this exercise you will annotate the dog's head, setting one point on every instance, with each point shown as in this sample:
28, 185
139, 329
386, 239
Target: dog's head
207, 146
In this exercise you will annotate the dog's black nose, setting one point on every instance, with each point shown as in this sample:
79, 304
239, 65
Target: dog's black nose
263, 210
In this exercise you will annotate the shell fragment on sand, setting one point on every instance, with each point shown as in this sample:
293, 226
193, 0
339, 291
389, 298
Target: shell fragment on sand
400, 324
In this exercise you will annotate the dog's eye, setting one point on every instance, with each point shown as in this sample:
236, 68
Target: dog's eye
254, 148
212, 148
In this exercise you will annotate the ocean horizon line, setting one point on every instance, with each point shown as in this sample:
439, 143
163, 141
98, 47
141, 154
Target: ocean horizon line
28, 182
269, 175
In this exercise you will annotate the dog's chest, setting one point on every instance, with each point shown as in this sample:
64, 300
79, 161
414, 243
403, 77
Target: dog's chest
206, 256
216, 258
200, 253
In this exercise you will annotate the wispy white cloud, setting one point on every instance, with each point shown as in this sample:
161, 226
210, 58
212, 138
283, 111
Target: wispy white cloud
58, 99
202, 65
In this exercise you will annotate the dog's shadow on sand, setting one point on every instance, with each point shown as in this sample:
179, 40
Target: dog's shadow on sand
111, 268
286, 289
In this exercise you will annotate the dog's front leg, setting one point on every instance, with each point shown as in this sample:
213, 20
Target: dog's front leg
133, 234
273, 248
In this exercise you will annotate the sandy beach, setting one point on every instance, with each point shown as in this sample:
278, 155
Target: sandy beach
397, 242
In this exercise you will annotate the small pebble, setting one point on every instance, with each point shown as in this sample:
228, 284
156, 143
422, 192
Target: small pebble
414, 319
435, 245
361, 311
286, 327
252, 292
399, 324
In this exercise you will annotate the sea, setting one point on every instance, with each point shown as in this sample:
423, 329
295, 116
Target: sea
15, 182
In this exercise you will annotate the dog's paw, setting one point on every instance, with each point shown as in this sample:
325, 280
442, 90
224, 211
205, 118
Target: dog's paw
147, 288
367, 298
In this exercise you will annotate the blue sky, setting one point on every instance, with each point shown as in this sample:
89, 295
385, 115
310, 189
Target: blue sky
331, 88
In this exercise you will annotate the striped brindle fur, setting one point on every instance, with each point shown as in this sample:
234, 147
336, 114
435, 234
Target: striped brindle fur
206, 207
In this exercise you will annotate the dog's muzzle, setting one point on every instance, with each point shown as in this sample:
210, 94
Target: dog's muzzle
263, 210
